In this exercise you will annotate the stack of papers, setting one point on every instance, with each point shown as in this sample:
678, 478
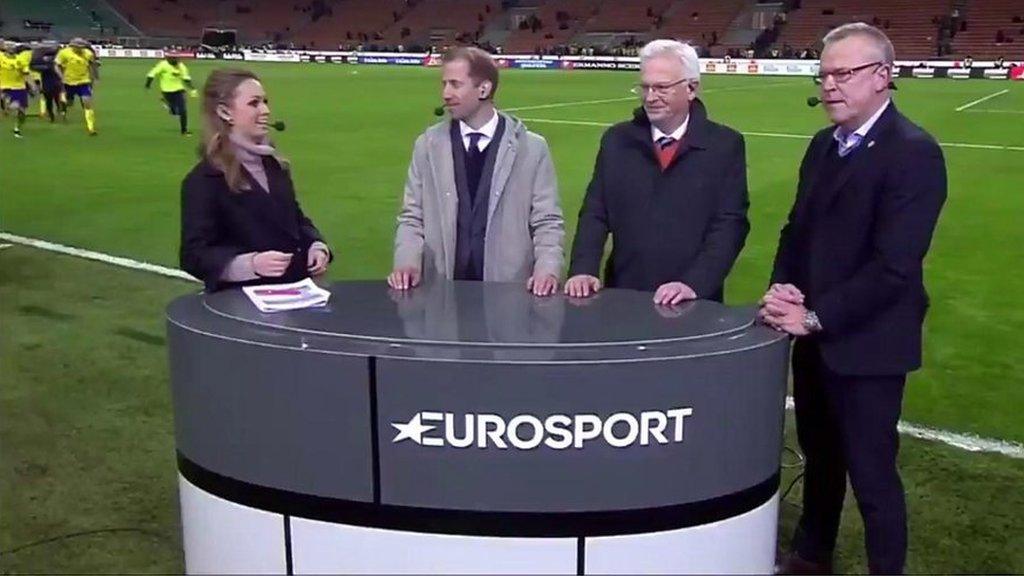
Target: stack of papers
294, 296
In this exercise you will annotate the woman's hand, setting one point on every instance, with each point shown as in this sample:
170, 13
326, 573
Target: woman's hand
271, 263
317, 261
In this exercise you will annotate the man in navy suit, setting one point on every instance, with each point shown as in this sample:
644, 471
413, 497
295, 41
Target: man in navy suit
848, 282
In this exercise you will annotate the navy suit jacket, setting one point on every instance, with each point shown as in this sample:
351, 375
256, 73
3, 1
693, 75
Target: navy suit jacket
855, 243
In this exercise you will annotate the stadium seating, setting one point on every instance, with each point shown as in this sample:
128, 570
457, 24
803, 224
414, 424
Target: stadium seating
349, 19
87, 18
440, 22
255, 20
699, 21
552, 33
913, 25
260, 20
170, 18
694, 20
617, 16
909, 23
984, 20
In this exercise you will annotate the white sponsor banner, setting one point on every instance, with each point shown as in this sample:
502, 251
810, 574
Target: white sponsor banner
786, 68
326, 53
745, 66
271, 56
128, 53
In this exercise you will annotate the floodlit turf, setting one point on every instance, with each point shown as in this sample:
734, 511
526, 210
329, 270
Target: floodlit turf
85, 424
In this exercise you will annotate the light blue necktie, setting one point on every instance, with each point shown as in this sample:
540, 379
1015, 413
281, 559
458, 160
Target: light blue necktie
849, 144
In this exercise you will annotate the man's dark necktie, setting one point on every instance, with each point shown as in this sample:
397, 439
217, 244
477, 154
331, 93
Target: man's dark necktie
474, 163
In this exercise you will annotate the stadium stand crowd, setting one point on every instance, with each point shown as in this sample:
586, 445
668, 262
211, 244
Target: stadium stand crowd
920, 29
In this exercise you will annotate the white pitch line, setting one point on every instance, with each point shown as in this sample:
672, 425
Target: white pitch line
983, 146
943, 144
991, 111
966, 442
633, 97
98, 256
564, 104
569, 122
776, 134
982, 99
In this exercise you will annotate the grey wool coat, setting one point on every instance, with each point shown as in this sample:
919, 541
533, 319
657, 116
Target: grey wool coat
525, 227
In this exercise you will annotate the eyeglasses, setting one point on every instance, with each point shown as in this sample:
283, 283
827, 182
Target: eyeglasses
656, 89
843, 75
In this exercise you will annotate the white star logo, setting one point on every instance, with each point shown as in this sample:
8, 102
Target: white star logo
412, 430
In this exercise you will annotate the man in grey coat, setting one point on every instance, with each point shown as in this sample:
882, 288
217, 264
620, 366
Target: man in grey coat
481, 199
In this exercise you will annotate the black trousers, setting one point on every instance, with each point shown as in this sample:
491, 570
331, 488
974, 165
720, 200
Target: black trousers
51, 95
176, 104
847, 425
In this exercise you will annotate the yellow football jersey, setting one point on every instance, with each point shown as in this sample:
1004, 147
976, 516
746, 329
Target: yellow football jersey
12, 72
26, 57
76, 64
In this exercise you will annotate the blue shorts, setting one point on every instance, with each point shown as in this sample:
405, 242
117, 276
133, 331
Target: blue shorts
80, 90
19, 97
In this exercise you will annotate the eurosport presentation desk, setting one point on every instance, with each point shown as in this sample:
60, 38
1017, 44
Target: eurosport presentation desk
473, 428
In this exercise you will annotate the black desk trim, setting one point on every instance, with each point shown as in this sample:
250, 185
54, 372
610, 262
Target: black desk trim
475, 523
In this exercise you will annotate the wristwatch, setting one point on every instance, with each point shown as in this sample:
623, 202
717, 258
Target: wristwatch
811, 322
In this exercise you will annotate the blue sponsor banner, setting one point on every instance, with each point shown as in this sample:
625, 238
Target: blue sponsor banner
534, 64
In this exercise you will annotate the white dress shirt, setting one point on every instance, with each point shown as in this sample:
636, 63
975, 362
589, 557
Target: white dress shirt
487, 130
677, 134
854, 138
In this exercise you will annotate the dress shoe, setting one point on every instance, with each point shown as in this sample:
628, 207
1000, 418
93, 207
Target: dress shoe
794, 564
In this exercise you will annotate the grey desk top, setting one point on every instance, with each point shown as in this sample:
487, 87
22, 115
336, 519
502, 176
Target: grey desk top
478, 321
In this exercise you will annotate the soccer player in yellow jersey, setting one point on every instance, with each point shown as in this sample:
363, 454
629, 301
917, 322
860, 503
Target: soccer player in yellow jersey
174, 77
14, 78
3, 103
78, 64
25, 55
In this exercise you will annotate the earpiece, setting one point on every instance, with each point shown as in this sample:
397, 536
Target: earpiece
222, 112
